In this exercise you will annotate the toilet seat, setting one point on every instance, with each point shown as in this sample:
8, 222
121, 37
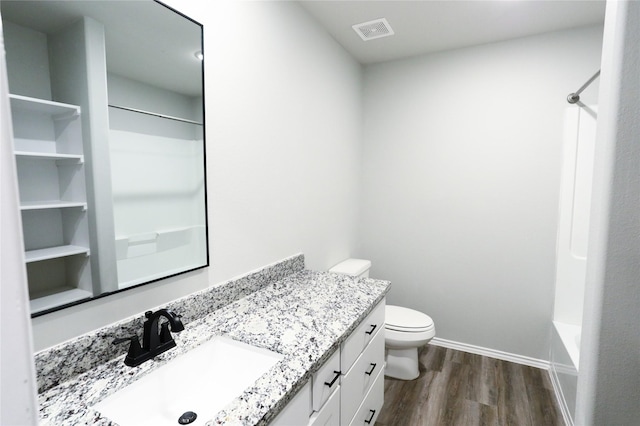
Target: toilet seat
408, 329
398, 318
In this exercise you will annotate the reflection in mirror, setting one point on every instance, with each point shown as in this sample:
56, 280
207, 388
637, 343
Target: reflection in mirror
107, 107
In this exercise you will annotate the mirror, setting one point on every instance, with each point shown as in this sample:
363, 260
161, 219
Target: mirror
108, 115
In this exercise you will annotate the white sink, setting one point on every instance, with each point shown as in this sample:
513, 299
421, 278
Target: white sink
203, 381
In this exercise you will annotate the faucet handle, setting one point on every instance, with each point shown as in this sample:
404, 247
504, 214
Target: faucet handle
119, 340
135, 350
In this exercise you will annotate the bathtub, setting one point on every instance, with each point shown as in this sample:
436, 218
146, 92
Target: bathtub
569, 335
565, 360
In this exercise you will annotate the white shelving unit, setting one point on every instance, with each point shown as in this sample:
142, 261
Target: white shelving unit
53, 200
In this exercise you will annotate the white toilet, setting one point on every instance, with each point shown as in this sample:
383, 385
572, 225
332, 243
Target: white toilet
405, 330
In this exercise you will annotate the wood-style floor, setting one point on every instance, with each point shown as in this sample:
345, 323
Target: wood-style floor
459, 388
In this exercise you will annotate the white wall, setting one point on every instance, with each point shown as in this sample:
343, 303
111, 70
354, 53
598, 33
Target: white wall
130, 93
28, 61
462, 155
283, 116
608, 385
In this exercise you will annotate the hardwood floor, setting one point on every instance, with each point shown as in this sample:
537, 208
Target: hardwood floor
459, 388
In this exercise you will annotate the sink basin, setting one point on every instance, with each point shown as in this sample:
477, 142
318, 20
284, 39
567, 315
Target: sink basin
202, 381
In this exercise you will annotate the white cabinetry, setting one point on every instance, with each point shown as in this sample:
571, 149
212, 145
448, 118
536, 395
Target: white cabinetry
50, 164
329, 415
349, 388
326, 381
296, 411
363, 368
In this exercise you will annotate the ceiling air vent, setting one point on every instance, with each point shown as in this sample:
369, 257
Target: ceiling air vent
373, 29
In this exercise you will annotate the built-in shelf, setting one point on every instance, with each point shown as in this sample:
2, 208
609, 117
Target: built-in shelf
50, 164
59, 158
58, 297
40, 205
54, 253
55, 109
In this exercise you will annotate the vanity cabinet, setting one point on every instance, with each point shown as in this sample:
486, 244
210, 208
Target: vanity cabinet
349, 388
53, 202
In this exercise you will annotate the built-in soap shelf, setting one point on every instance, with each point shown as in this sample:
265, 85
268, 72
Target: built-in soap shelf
49, 154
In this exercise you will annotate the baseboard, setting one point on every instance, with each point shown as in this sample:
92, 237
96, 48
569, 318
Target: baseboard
562, 403
492, 353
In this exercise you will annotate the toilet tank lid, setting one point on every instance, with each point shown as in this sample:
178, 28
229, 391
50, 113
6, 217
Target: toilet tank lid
353, 267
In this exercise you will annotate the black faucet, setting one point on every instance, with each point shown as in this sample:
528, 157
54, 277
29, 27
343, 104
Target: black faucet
153, 342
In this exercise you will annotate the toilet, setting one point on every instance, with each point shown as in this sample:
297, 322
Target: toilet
405, 330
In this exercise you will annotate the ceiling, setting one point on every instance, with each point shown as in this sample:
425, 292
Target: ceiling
430, 26
420, 27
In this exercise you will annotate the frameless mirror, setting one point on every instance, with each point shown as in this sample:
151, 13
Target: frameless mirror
107, 107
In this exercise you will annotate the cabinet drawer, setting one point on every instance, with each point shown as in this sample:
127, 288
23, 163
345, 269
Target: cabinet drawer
372, 404
355, 344
357, 382
329, 414
325, 381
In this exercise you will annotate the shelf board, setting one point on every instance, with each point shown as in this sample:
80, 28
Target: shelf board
57, 297
59, 158
56, 204
56, 109
54, 253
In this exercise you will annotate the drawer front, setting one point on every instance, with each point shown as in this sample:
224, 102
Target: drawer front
357, 382
372, 404
329, 414
355, 344
325, 381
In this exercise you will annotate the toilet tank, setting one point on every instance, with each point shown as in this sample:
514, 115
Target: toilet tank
354, 267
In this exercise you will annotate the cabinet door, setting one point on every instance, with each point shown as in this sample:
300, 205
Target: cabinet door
296, 411
329, 414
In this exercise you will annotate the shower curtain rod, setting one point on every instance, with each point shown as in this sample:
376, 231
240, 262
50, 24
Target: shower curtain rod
575, 97
155, 114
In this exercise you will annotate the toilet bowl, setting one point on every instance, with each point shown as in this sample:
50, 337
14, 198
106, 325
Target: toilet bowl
405, 330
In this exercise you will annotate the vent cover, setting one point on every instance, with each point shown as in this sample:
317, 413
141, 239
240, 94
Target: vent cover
373, 29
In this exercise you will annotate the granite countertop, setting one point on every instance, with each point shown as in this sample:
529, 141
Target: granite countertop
304, 316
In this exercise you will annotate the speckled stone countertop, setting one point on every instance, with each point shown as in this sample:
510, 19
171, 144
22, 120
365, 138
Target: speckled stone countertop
305, 316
